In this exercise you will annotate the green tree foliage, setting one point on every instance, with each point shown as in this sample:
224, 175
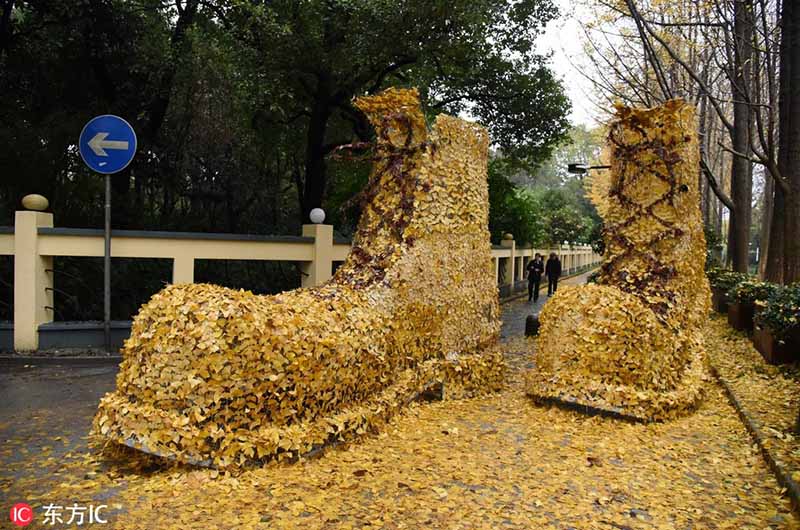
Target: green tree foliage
465, 55
541, 216
582, 146
562, 221
174, 74
238, 104
549, 205
569, 214
512, 209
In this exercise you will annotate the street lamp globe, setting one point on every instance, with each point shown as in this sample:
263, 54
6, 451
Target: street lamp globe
317, 216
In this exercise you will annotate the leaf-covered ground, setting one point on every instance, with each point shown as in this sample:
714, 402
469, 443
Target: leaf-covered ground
769, 394
492, 462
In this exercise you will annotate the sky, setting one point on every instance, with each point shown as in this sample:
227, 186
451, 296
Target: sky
564, 38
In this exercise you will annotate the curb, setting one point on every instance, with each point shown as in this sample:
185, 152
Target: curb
16, 360
783, 478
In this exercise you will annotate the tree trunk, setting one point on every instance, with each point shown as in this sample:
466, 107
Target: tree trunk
766, 222
718, 224
316, 169
157, 110
784, 266
702, 180
774, 268
5, 25
741, 167
791, 229
789, 146
742, 196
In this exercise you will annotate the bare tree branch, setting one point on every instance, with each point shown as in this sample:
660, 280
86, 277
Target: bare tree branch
712, 181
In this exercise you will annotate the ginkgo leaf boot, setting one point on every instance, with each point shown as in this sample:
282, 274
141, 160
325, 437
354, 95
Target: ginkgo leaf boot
631, 346
223, 377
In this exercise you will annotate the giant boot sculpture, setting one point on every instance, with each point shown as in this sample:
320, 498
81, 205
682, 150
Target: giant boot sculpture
631, 346
223, 377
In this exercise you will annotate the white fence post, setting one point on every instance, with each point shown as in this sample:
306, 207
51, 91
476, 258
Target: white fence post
183, 269
510, 262
320, 269
33, 284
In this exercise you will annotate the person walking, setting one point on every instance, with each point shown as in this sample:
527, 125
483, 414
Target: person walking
553, 272
535, 270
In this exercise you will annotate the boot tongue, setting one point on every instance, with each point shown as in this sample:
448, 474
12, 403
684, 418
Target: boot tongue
396, 115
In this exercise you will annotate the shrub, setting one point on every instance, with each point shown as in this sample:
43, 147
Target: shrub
725, 279
781, 313
749, 291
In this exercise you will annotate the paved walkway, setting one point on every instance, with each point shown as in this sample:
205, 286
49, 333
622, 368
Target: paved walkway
516, 311
44, 398
496, 461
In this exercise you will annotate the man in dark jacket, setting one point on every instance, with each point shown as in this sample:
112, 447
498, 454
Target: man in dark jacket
553, 272
535, 269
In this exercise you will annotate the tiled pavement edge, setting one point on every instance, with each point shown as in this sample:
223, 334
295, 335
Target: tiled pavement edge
783, 476
515, 311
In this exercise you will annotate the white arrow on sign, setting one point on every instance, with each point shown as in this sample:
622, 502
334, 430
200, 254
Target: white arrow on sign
99, 144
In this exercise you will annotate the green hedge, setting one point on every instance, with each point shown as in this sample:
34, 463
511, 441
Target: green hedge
781, 311
751, 291
779, 305
725, 279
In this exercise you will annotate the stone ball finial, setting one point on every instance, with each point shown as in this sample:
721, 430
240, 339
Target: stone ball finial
508, 236
35, 202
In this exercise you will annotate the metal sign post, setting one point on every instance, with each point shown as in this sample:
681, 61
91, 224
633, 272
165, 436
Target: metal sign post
107, 157
107, 269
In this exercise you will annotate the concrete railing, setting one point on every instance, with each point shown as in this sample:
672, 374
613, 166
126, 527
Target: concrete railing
34, 241
511, 262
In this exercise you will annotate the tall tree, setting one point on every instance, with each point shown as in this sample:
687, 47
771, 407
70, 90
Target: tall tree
740, 76
785, 234
467, 55
689, 47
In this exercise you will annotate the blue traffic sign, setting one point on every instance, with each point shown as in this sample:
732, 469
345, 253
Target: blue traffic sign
107, 144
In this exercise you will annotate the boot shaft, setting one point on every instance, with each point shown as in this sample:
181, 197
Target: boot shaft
650, 203
423, 184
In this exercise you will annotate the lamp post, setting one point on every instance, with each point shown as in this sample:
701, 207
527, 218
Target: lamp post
580, 169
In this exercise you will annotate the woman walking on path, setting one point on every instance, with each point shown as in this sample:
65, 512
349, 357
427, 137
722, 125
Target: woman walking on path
553, 272
535, 270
